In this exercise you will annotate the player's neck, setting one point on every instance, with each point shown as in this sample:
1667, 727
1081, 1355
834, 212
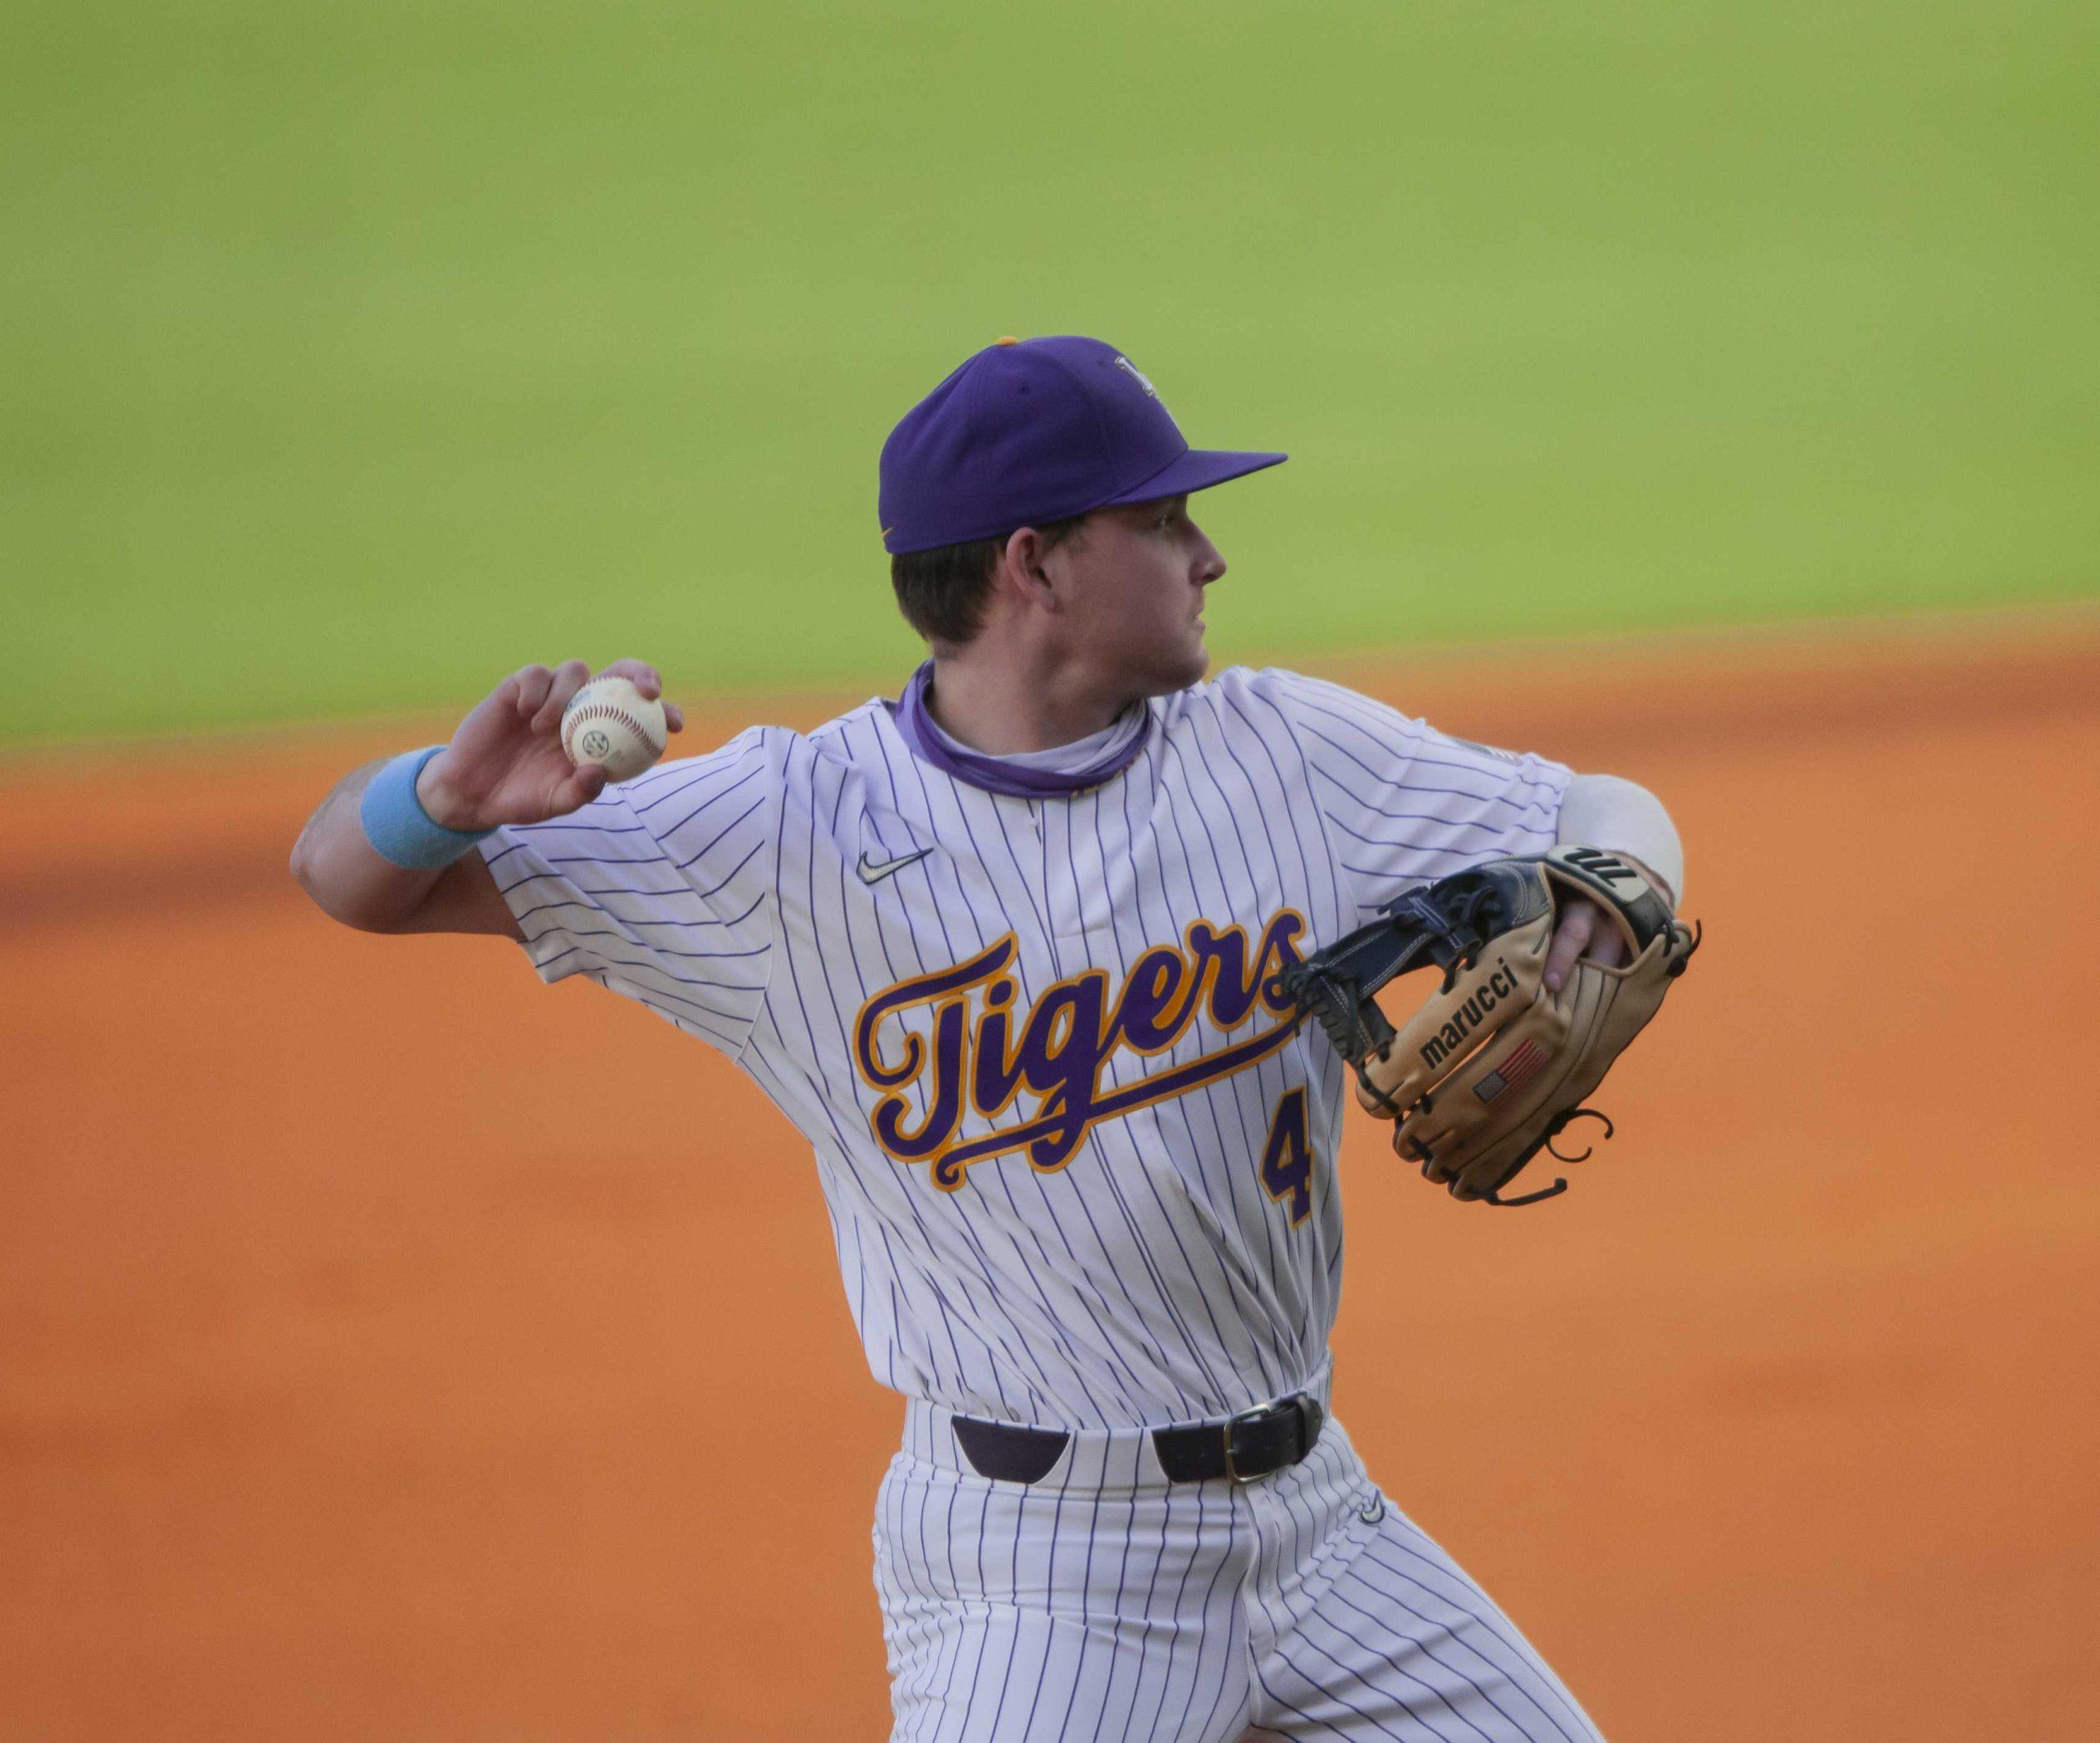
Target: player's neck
1003, 708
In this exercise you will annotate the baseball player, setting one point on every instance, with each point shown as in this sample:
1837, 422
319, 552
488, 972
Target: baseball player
1004, 950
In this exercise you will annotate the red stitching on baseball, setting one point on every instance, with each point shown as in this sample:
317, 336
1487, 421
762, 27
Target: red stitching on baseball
607, 710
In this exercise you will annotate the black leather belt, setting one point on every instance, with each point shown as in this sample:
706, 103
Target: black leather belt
1255, 1444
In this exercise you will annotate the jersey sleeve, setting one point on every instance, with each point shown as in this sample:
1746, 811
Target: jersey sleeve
1402, 802
661, 889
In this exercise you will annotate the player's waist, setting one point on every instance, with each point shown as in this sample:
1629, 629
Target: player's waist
1256, 1443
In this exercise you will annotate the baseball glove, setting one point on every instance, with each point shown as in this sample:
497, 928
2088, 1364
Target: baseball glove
1486, 1073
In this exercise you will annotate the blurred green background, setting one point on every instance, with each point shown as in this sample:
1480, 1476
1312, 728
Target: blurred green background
351, 355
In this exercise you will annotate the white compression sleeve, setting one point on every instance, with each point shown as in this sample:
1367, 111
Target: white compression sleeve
1605, 811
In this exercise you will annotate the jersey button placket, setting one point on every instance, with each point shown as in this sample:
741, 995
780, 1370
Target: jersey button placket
1074, 906
1027, 839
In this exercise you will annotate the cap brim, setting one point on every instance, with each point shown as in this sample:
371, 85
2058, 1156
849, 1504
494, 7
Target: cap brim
1197, 470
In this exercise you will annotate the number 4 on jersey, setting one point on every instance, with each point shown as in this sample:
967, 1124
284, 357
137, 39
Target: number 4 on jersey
1287, 1157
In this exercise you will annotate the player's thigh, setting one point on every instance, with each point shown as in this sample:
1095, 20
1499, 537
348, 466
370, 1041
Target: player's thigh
1022, 1614
1015, 1676
1404, 1646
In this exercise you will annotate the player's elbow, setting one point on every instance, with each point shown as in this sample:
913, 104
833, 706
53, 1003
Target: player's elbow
335, 897
1607, 811
304, 871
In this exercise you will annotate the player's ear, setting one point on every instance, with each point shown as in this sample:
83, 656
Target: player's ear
1022, 573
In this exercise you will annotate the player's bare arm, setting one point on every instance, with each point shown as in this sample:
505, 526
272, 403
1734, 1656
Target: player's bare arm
505, 765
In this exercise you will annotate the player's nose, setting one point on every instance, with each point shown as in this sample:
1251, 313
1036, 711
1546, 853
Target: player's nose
1210, 561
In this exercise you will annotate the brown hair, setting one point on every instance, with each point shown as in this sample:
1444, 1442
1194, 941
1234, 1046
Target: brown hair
942, 592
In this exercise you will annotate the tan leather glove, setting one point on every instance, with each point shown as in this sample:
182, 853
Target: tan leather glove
1484, 1074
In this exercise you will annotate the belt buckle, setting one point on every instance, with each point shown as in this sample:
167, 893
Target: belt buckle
1254, 1414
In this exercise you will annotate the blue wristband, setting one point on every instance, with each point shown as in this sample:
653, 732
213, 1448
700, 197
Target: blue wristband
398, 828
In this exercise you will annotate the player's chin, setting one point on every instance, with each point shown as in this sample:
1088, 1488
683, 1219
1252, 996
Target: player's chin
1185, 667
1164, 666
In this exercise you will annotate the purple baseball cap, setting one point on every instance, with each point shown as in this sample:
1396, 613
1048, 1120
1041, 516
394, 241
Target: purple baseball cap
1036, 430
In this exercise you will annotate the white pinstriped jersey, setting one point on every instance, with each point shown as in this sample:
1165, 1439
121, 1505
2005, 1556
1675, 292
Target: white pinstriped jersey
1079, 1161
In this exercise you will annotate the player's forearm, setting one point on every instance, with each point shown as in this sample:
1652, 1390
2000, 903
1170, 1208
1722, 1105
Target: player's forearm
348, 880
1604, 810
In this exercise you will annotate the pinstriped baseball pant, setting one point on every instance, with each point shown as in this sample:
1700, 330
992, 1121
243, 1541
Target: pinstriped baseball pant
1104, 1604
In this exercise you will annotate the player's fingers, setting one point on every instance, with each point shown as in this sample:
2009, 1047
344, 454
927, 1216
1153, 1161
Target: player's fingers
576, 789
644, 677
569, 676
497, 712
1607, 949
1570, 939
533, 682
674, 718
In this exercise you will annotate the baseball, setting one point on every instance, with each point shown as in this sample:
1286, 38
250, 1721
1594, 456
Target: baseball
610, 722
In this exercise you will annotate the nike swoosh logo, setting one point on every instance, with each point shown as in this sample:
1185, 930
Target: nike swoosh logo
873, 871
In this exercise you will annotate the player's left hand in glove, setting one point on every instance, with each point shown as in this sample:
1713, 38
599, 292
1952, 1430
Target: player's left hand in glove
1488, 1070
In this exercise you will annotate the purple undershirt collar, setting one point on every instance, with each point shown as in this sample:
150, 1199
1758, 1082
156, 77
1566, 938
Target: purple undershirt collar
1001, 774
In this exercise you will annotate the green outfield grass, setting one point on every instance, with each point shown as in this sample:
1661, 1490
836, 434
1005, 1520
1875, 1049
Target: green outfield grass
351, 355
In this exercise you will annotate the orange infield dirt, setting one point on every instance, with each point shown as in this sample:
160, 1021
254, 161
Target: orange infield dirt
391, 1348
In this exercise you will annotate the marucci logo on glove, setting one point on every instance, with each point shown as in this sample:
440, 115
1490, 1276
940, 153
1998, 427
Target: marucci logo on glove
1467, 1019
1599, 864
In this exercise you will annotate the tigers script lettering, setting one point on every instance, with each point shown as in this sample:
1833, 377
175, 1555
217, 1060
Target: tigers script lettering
973, 1053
